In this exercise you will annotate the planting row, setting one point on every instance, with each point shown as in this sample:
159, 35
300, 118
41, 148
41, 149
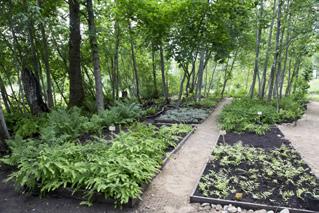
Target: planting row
247, 172
247, 115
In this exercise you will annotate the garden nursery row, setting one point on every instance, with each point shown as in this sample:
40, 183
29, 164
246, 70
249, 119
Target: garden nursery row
253, 166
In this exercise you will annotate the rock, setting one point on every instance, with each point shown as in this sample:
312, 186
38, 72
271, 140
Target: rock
261, 211
239, 209
271, 211
205, 204
213, 206
250, 211
219, 207
232, 209
226, 208
204, 207
284, 211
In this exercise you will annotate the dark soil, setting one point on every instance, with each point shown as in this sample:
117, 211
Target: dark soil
267, 142
12, 201
272, 139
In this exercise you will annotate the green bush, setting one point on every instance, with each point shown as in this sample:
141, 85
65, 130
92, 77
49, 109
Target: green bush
117, 169
251, 115
64, 125
30, 126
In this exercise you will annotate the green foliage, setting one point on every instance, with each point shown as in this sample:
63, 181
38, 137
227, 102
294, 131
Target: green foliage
30, 126
117, 169
250, 115
184, 115
241, 168
64, 125
207, 102
121, 113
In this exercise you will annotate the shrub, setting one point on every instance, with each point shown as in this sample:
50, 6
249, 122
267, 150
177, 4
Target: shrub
247, 115
242, 115
64, 125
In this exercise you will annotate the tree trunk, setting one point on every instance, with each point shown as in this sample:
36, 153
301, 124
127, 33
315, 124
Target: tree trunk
276, 54
227, 75
116, 60
164, 85
258, 38
211, 80
32, 90
291, 79
180, 94
189, 84
4, 133
4, 96
46, 63
134, 64
204, 57
264, 75
278, 73
154, 73
75, 75
282, 78
225, 79
96, 58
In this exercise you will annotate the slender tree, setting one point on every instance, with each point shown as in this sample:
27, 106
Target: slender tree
258, 39
95, 57
263, 80
4, 133
276, 54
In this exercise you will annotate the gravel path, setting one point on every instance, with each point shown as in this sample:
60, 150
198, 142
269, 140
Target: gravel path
170, 190
305, 136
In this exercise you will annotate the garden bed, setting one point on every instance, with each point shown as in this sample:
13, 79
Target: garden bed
183, 115
146, 149
258, 172
99, 198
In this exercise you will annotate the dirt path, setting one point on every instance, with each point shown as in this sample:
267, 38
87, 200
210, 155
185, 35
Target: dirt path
170, 190
305, 136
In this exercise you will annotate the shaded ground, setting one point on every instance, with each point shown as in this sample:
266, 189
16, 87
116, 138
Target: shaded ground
304, 136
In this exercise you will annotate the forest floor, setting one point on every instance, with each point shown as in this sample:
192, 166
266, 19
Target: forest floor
304, 136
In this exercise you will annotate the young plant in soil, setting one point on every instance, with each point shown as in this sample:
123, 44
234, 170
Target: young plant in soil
277, 177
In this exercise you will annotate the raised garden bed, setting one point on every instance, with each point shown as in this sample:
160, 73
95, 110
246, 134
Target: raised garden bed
98, 197
258, 172
183, 115
161, 144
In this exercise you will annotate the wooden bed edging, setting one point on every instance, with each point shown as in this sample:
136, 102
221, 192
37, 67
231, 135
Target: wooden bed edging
98, 197
246, 205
